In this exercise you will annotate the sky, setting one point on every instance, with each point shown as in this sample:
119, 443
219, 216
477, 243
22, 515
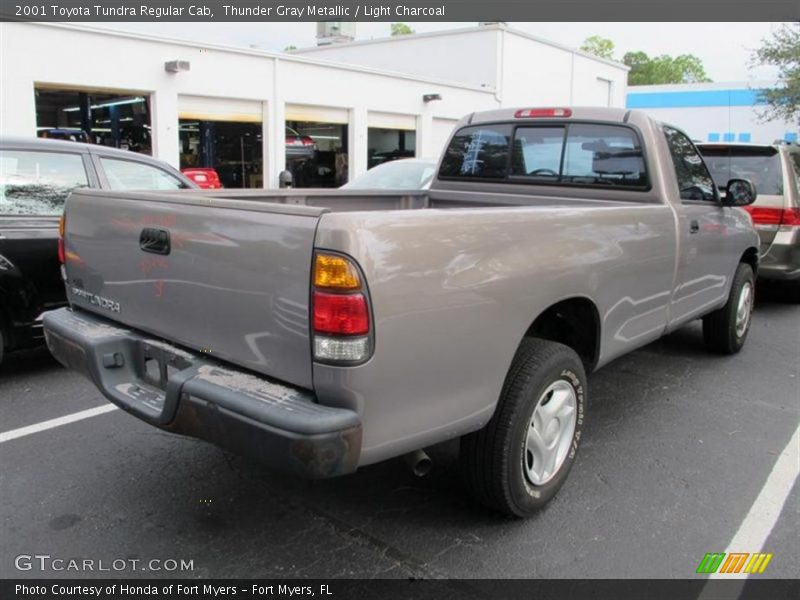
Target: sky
724, 48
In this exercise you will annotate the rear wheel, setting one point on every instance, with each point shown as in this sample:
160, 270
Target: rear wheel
725, 330
522, 457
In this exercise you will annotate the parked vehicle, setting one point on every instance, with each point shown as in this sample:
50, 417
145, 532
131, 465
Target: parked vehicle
36, 176
67, 134
324, 330
380, 158
205, 177
775, 171
299, 147
404, 174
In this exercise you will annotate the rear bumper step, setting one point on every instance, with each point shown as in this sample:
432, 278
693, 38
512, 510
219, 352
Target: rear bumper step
193, 395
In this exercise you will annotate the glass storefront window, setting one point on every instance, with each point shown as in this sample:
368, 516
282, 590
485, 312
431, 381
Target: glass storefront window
118, 120
317, 153
384, 145
233, 150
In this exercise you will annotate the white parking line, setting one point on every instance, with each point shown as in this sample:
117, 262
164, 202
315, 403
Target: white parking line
7, 436
759, 522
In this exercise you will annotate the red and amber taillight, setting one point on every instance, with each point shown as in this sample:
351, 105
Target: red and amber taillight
770, 216
340, 311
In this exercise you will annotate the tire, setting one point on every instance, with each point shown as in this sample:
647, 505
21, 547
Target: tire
725, 330
498, 462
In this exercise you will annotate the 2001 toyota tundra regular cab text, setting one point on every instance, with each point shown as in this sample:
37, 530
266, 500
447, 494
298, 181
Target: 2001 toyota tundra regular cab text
327, 330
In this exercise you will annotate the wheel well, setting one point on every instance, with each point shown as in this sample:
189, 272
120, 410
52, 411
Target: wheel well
750, 257
575, 323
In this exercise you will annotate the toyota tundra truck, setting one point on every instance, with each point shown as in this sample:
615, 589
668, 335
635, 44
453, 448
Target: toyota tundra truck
324, 330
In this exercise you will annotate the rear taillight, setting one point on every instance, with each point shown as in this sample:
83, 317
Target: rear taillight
340, 314
534, 113
766, 215
340, 311
61, 228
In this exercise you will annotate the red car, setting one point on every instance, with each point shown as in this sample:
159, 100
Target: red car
205, 177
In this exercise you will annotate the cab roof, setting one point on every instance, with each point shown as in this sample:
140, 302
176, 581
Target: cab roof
62, 145
579, 113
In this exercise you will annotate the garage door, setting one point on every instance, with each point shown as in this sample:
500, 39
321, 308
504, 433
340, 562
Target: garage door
206, 108
316, 114
384, 120
442, 128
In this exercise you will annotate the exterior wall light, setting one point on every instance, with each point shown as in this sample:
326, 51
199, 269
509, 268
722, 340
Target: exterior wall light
176, 66
431, 97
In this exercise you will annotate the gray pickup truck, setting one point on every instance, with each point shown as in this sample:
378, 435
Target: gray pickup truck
321, 331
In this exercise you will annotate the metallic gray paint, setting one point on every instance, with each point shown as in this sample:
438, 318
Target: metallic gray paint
456, 276
235, 284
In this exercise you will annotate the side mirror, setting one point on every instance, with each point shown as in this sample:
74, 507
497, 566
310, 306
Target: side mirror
741, 192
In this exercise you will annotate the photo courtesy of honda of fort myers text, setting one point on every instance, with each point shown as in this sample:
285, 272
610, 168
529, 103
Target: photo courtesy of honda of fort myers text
399, 300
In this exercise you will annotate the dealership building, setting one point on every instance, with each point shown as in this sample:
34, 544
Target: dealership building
326, 113
714, 112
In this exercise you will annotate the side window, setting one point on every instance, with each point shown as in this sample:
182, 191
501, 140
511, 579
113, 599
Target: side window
477, 152
130, 175
37, 183
694, 180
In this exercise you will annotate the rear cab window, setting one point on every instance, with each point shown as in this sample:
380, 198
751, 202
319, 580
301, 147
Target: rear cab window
573, 154
36, 183
759, 164
478, 153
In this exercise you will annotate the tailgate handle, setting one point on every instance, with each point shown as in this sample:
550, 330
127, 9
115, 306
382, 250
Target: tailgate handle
154, 240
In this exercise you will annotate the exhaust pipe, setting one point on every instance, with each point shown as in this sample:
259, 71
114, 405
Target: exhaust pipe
419, 462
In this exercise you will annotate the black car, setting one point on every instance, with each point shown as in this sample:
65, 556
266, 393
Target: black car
36, 176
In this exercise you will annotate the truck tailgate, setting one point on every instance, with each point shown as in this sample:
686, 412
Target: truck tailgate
228, 277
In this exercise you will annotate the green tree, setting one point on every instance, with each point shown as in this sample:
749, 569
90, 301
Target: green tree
599, 46
685, 68
401, 29
782, 51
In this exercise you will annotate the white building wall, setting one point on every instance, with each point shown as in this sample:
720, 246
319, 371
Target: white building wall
468, 57
100, 60
523, 69
442, 130
534, 74
713, 111
740, 123
589, 74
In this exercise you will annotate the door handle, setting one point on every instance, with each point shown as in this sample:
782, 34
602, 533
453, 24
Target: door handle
154, 240
694, 226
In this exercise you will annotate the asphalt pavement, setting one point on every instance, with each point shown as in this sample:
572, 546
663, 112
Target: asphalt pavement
678, 445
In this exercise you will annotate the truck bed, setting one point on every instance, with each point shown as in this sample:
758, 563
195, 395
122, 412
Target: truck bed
234, 282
